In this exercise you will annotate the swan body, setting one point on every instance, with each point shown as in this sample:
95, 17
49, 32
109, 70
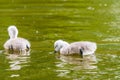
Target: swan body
81, 47
16, 44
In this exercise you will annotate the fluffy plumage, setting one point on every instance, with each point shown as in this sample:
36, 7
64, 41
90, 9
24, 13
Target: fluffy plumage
81, 48
16, 45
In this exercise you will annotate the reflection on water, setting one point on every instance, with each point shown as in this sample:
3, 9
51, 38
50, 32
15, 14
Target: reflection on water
15, 75
16, 63
69, 64
89, 59
77, 69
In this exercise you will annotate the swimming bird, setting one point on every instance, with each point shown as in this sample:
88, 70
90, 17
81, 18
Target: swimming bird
82, 47
16, 45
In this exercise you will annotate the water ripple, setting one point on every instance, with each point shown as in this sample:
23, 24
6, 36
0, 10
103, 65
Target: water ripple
71, 65
16, 63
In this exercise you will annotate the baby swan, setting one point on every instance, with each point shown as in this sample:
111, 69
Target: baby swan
16, 45
81, 48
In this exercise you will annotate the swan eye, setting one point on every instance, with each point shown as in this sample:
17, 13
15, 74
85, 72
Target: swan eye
56, 46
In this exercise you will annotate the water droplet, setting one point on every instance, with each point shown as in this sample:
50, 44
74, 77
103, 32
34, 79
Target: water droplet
105, 4
37, 32
90, 8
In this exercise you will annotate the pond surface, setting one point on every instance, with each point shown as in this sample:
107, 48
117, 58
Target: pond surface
43, 22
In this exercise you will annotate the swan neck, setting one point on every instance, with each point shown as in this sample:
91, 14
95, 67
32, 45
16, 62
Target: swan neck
13, 32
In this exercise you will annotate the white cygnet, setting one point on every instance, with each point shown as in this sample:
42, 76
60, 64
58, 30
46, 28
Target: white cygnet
82, 47
16, 45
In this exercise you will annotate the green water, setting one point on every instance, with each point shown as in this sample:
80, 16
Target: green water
44, 21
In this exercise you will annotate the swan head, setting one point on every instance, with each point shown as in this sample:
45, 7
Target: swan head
13, 32
59, 44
